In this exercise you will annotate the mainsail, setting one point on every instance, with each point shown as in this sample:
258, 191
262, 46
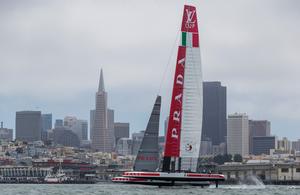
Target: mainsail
148, 157
185, 120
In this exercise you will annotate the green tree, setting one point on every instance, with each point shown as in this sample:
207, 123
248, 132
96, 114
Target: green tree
219, 159
228, 157
237, 158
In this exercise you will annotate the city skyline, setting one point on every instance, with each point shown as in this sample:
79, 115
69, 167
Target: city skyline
52, 65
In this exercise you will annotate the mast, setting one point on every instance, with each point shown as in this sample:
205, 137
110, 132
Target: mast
147, 158
185, 120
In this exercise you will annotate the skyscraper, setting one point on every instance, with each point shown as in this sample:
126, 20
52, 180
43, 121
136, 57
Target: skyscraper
238, 134
78, 126
46, 125
110, 125
58, 123
121, 131
101, 136
136, 141
263, 144
28, 125
258, 128
64, 136
92, 118
46, 122
214, 112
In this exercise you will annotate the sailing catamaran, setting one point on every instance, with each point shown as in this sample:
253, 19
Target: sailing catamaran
182, 147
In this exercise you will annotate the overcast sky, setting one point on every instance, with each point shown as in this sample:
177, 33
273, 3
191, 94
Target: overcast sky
51, 53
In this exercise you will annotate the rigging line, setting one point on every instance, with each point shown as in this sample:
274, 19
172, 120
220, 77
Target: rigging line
168, 62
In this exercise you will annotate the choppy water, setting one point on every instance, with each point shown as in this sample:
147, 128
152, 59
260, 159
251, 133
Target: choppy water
107, 189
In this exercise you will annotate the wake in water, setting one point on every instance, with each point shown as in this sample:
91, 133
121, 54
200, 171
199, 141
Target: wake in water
252, 182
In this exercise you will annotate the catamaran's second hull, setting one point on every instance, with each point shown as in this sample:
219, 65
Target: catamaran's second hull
152, 182
168, 179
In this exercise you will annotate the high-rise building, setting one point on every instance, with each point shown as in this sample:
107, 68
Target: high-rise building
5, 133
121, 130
46, 125
64, 136
214, 112
263, 144
296, 145
136, 141
84, 130
206, 147
110, 125
78, 126
92, 118
28, 125
58, 123
46, 122
238, 134
284, 145
124, 146
258, 128
101, 136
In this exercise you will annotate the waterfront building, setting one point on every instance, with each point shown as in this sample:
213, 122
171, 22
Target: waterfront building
101, 136
263, 144
121, 130
214, 112
238, 134
28, 126
267, 171
5, 134
258, 128
24, 172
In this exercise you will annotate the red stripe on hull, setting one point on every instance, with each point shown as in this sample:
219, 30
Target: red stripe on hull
132, 174
205, 175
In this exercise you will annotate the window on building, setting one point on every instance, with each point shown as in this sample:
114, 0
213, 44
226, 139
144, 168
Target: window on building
297, 169
284, 170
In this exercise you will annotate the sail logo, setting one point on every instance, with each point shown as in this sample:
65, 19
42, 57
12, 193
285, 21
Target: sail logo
177, 98
172, 147
188, 147
190, 23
